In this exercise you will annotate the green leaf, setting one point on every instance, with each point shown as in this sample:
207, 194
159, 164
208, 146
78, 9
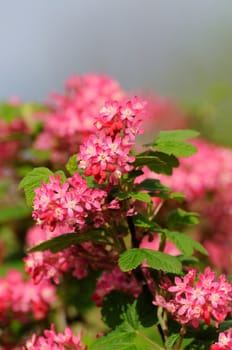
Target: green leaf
141, 314
158, 162
131, 316
188, 260
142, 221
136, 316
71, 166
152, 185
9, 112
114, 305
177, 196
141, 196
173, 142
66, 240
122, 195
184, 243
123, 338
79, 291
8, 214
33, 180
147, 312
178, 135
132, 258
132, 175
177, 148
171, 340
181, 217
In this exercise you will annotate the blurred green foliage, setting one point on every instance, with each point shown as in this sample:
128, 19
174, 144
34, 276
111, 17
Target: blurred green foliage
212, 114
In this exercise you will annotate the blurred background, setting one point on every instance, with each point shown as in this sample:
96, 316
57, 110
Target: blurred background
179, 48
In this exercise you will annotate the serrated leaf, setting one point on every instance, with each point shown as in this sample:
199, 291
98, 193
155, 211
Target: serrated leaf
158, 162
141, 314
136, 316
177, 148
173, 142
121, 338
131, 316
61, 242
181, 217
33, 180
141, 221
132, 258
184, 243
114, 305
171, 340
71, 166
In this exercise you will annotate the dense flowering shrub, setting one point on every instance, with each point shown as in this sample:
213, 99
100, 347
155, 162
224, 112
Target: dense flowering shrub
112, 226
87, 218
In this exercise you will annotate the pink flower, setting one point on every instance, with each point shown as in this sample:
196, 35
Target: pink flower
198, 301
72, 114
115, 280
23, 300
66, 205
224, 341
106, 156
55, 341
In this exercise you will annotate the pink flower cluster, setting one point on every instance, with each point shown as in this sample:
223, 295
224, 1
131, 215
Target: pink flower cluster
23, 300
206, 179
207, 171
107, 154
68, 204
55, 341
115, 280
73, 114
224, 341
193, 301
51, 266
75, 259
